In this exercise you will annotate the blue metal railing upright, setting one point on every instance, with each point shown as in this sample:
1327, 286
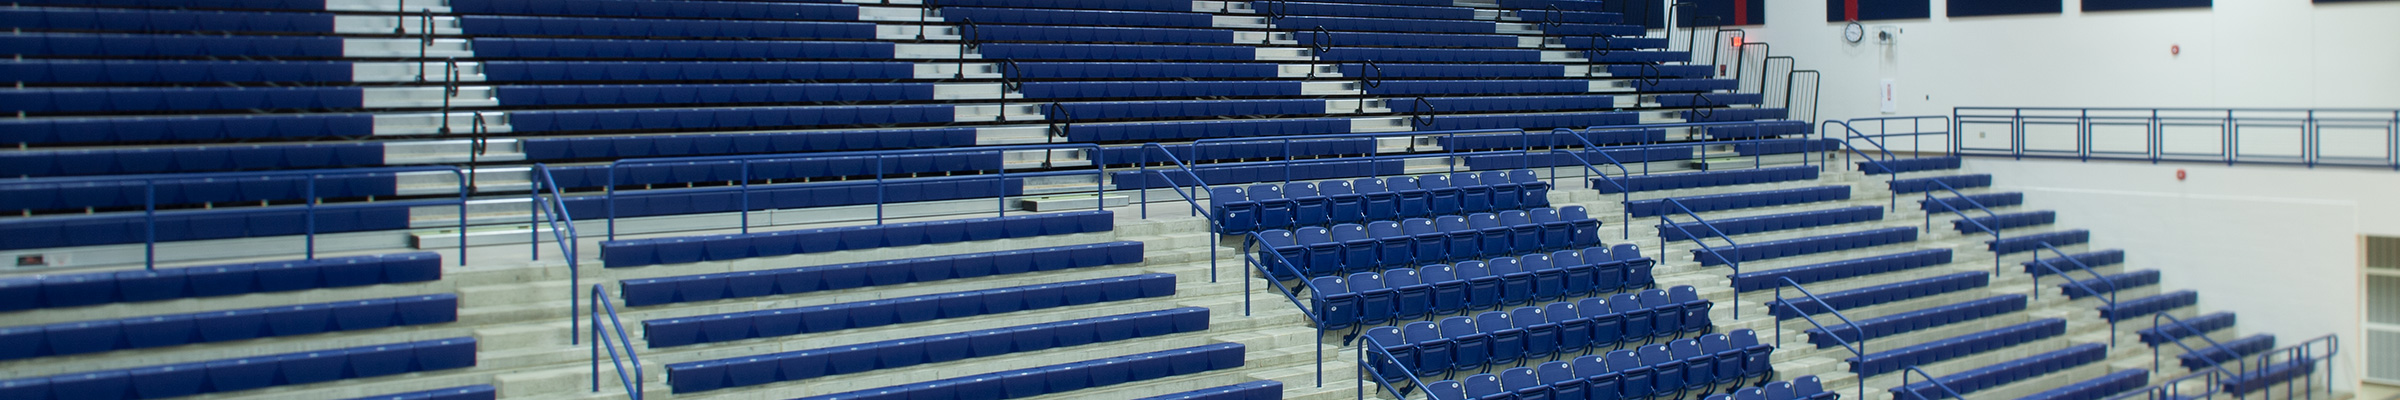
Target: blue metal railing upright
553, 211
1859, 350
1200, 186
311, 202
2156, 321
2280, 128
2322, 349
1850, 132
1962, 215
1734, 262
1251, 263
634, 383
1905, 383
1373, 359
879, 157
2110, 300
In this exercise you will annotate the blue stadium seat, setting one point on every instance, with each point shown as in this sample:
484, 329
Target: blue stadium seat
1808, 245
672, 332
700, 376
640, 252
246, 373
1789, 308
1730, 201
798, 280
1916, 320
2009, 371
1036, 381
1885, 361
71, 290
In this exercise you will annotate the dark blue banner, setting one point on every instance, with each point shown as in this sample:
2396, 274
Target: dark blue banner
1977, 8
1869, 10
2119, 5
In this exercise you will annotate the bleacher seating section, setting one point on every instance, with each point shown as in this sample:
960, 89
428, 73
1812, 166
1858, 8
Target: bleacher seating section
679, 250
85, 289
789, 281
708, 375
248, 373
671, 332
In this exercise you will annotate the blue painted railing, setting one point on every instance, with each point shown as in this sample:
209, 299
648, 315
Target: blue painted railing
1251, 263
2111, 300
2322, 350
2157, 322
633, 383
309, 196
2198, 127
1883, 125
1736, 263
552, 211
1859, 350
1962, 215
1372, 359
1098, 171
1905, 383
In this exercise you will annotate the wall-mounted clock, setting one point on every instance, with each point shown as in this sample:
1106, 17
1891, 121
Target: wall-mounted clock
1854, 32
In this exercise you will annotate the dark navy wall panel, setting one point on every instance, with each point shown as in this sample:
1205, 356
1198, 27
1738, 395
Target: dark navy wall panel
1723, 12
2116, 5
1976, 8
1869, 10
1650, 14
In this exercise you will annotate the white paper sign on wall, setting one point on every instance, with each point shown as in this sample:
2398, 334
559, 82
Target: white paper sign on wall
1891, 100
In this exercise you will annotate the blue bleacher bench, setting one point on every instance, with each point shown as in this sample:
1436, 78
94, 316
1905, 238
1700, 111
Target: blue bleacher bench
93, 288
789, 281
2011, 371
639, 252
81, 337
1802, 246
706, 375
1061, 378
475, 392
1844, 269
684, 331
248, 373
1916, 320
1730, 201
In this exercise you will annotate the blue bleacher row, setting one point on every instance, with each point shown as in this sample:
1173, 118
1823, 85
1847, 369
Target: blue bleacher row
2004, 373
1697, 100
1271, 206
1908, 165
2094, 259
75, 19
2034, 241
1843, 269
2230, 351
1786, 146
133, 192
1911, 321
2005, 221
70, 338
2259, 378
1411, 293
1315, 251
1253, 390
1688, 180
699, 376
1715, 115
1512, 140
1932, 184
1769, 223
475, 392
247, 373
1754, 251
1036, 381
224, 223
1767, 129
2136, 308
1366, 10
1503, 103
2194, 326
677, 250
1499, 338
40, 163
215, 71
684, 331
93, 288
1581, 17
2109, 284
1731, 201
1945, 203
790, 281
1887, 361
642, 146
1594, 161
1658, 370
1198, 152
1264, 171
646, 174
1794, 307
2097, 388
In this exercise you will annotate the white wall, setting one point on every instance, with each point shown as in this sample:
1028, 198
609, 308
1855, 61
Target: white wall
2277, 246
2243, 53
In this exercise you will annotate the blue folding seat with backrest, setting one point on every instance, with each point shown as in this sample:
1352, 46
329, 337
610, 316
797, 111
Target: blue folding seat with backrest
1586, 230
1576, 277
1637, 268
1524, 234
1506, 195
1410, 199
1548, 280
1446, 390
1541, 334
1308, 208
1274, 210
1637, 319
1699, 367
1412, 298
1470, 348
1473, 195
1486, 387
1441, 198
1484, 289
1517, 284
1599, 382
1358, 248
1462, 240
1375, 301
1343, 203
1633, 376
1574, 331
1760, 354
1666, 372
1695, 309
1563, 382
1394, 246
1449, 291
1376, 203
1234, 211
1506, 342
1431, 348
1523, 384
1432, 243
1495, 237
1555, 231
1608, 327
1324, 253
1391, 341
1666, 318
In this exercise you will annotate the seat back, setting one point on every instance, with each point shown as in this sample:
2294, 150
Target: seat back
1274, 238
1470, 270
1504, 266
1528, 316
1335, 188
1454, 327
1519, 378
1365, 281
1565, 258
1221, 195
1439, 273
1420, 332
1749, 394
1265, 191
1419, 226
1330, 286
1556, 371
1400, 278
1572, 213
1779, 391
1309, 235
1446, 390
1452, 223
1367, 186
1534, 262
1299, 189
1349, 232
1385, 229
1594, 307
1515, 218
1626, 251
1482, 385
1592, 365
1387, 336
1714, 343
1484, 220
1561, 311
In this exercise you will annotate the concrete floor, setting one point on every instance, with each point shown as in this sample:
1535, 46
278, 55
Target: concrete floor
2372, 391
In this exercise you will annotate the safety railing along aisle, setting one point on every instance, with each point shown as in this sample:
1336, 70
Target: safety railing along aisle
634, 384
1850, 132
552, 211
1859, 350
2110, 300
1735, 262
311, 182
1251, 248
2273, 136
1937, 383
879, 158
